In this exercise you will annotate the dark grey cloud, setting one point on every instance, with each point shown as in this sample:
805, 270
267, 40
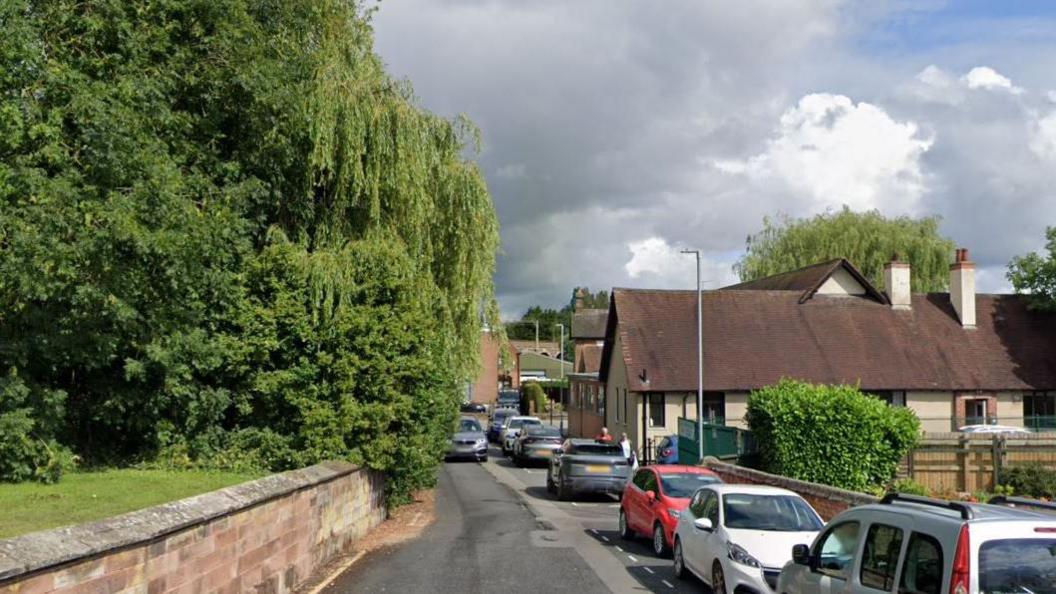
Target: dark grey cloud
604, 122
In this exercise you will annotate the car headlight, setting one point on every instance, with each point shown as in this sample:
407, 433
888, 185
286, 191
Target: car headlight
674, 513
739, 555
481, 441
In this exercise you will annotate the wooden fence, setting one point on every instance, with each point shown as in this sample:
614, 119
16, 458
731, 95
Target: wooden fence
965, 463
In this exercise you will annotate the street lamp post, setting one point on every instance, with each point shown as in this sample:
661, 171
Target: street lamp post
700, 364
561, 356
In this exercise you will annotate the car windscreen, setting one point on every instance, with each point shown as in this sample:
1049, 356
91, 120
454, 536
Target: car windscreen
597, 449
780, 513
468, 425
1018, 566
684, 484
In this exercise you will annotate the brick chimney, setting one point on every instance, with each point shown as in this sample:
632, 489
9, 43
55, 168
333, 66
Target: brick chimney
896, 283
581, 293
962, 287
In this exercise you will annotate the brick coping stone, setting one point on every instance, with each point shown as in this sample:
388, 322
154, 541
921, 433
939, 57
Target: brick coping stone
851, 498
49, 548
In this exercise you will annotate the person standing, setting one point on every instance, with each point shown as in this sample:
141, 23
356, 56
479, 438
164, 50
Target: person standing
628, 452
604, 436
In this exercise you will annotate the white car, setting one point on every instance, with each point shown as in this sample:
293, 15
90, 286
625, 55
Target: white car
511, 429
993, 429
919, 545
736, 538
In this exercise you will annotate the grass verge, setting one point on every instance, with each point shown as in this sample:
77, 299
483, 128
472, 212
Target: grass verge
85, 496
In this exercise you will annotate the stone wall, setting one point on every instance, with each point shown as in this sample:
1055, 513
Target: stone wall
828, 501
264, 536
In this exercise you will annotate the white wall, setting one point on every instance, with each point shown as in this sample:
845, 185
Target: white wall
736, 408
935, 410
841, 283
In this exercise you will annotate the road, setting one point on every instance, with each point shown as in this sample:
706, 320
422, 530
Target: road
498, 529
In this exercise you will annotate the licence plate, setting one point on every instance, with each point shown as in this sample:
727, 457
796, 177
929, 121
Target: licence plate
544, 453
597, 469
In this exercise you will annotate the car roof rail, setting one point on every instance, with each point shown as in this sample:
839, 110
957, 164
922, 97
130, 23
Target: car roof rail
1021, 502
964, 509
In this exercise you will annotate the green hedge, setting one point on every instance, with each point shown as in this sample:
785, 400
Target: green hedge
1031, 479
835, 435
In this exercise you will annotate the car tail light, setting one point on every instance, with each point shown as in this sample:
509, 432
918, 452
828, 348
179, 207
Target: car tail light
961, 564
665, 452
1045, 530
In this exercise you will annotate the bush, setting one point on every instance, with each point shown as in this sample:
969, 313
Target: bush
909, 487
27, 451
834, 435
532, 394
1031, 479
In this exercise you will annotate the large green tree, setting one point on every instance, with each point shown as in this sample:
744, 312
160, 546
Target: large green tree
1035, 274
223, 227
867, 239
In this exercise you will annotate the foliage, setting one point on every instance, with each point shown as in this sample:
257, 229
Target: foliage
1030, 479
835, 435
532, 395
1035, 275
598, 300
868, 240
909, 486
226, 234
28, 420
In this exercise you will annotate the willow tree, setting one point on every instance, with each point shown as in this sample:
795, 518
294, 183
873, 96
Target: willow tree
867, 239
229, 236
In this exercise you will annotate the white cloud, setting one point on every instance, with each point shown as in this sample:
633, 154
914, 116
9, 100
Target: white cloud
512, 171
1043, 142
830, 151
984, 77
653, 256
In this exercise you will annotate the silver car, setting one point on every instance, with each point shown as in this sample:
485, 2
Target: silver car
468, 442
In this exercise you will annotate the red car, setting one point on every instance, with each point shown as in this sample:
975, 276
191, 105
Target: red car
655, 496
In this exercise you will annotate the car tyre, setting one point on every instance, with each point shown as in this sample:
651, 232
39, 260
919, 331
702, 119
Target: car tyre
680, 562
659, 541
718, 579
550, 486
625, 530
564, 493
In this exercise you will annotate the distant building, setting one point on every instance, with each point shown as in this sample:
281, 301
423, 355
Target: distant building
586, 403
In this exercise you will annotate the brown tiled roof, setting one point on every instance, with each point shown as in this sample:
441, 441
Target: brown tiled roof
589, 323
545, 346
753, 338
808, 280
589, 359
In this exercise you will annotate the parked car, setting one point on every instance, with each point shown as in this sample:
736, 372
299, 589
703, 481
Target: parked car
536, 444
930, 546
474, 407
736, 538
468, 441
509, 399
1004, 429
512, 428
587, 466
667, 450
654, 498
495, 424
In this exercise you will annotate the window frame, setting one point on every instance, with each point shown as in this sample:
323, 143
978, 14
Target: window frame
815, 554
903, 562
663, 409
894, 576
640, 475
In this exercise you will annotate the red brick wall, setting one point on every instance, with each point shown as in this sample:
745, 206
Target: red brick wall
267, 547
486, 388
828, 501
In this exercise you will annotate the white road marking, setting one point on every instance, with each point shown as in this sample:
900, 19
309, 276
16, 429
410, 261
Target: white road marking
668, 584
593, 531
649, 570
574, 504
632, 558
605, 538
618, 548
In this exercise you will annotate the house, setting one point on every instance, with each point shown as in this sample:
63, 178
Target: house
955, 358
586, 404
492, 376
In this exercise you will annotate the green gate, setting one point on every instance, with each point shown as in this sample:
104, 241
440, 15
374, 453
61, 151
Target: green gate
720, 441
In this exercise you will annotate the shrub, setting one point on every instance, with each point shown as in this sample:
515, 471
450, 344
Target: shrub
27, 450
1031, 479
909, 487
834, 435
532, 393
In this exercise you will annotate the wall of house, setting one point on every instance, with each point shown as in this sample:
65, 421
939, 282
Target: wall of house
935, 410
841, 283
486, 388
615, 386
736, 409
1010, 408
264, 536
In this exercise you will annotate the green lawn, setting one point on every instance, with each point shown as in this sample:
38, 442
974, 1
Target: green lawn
84, 496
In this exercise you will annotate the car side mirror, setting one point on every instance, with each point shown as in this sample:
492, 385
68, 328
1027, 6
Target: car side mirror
801, 554
703, 524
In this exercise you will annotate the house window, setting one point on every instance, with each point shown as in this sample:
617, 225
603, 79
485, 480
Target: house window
1039, 410
714, 407
656, 409
618, 407
891, 397
601, 401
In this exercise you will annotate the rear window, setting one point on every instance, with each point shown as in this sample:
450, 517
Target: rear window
543, 431
598, 449
1018, 566
684, 484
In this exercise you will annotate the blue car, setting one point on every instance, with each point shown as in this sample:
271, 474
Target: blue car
495, 425
667, 451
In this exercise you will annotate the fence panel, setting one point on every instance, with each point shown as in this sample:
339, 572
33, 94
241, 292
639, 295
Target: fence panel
964, 463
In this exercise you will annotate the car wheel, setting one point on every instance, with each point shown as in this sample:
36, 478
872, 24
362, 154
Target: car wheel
563, 492
550, 487
625, 530
718, 579
680, 563
659, 542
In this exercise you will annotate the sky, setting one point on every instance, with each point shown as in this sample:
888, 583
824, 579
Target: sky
617, 133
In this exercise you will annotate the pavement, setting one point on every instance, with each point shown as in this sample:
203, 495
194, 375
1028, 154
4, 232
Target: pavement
498, 529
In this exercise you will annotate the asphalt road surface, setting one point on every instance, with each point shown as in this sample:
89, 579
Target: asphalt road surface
497, 529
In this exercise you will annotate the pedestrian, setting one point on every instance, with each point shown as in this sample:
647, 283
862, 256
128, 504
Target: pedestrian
603, 436
628, 452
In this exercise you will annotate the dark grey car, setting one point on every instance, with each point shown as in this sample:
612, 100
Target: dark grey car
468, 442
584, 466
